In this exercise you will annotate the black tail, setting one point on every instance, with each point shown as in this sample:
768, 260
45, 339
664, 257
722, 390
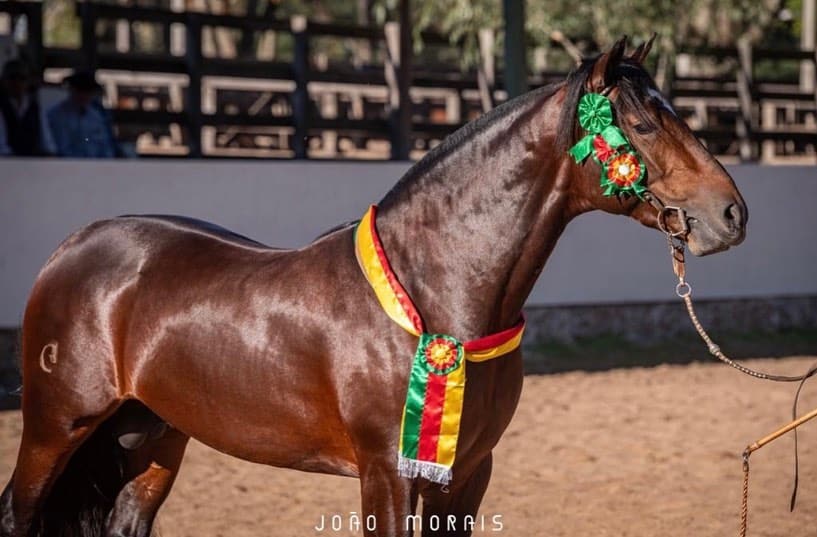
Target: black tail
84, 494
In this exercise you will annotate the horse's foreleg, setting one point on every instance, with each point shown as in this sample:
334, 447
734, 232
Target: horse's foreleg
388, 500
451, 511
151, 470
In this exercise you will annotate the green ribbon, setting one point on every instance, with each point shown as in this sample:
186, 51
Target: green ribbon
595, 112
611, 134
416, 396
595, 115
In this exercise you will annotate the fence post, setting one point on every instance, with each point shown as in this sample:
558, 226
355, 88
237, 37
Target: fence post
486, 77
34, 15
808, 35
300, 97
768, 121
125, 40
516, 75
398, 80
193, 60
176, 31
744, 87
88, 21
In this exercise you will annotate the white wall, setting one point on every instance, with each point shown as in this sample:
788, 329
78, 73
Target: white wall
601, 258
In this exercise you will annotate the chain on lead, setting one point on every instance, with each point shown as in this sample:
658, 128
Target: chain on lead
676, 251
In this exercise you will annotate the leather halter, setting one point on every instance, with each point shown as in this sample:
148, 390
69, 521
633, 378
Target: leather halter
664, 210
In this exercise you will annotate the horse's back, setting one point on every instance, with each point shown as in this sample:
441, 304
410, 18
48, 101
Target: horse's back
104, 275
199, 226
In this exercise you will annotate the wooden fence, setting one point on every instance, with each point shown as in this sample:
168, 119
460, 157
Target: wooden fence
197, 104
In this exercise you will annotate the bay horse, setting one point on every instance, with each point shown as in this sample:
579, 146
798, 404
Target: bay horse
144, 331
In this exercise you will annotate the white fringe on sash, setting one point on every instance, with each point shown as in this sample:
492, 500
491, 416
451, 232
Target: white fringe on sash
432, 471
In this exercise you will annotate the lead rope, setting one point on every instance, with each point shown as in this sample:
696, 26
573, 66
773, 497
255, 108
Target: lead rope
684, 291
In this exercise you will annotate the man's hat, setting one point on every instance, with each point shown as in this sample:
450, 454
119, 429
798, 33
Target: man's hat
83, 81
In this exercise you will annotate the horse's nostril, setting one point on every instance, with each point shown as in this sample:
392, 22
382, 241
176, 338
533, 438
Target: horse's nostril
734, 216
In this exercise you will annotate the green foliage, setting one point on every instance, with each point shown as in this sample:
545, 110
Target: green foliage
461, 21
595, 24
591, 24
319, 10
61, 26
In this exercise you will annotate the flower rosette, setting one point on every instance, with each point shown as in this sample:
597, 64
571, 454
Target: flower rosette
443, 354
623, 173
595, 112
607, 144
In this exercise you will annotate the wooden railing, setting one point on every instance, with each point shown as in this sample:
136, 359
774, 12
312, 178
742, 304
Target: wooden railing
323, 108
754, 104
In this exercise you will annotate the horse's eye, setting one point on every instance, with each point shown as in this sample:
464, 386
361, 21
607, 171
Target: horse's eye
641, 128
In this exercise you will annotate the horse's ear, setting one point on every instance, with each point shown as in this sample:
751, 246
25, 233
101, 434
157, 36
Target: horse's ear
643, 50
602, 75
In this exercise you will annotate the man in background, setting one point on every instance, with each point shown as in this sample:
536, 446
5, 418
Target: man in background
80, 125
24, 129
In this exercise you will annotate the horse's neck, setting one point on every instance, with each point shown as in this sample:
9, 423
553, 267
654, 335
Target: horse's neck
468, 236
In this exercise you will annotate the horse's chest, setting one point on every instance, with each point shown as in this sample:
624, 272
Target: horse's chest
491, 395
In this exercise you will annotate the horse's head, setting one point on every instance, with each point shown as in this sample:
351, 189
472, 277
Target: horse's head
679, 171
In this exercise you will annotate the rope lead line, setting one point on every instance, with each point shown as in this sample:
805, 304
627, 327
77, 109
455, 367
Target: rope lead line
744, 511
684, 291
744, 504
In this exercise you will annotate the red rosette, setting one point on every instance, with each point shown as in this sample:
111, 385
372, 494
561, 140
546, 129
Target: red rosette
602, 149
441, 354
624, 170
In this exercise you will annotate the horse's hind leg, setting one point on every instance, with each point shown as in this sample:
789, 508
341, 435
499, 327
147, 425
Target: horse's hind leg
67, 393
46, 448
150, 472
6, 518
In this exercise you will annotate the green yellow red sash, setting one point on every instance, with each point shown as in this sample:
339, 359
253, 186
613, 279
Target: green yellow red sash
431, 415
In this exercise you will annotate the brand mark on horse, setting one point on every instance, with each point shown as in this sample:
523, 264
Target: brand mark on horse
49, 355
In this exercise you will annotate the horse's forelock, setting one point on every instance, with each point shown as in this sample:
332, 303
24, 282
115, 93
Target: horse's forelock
635, 87
633, 82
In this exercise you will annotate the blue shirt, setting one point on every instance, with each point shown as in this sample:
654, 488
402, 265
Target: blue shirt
81, 133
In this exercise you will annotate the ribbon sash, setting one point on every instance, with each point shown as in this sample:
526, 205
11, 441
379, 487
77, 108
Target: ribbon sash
434, 399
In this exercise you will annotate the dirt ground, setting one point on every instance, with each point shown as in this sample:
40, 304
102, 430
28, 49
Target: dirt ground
627, 452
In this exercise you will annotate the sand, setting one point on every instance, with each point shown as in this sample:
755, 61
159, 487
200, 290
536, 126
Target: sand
628, 452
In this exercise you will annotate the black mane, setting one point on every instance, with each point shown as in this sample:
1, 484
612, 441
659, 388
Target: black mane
630, 77
463, 135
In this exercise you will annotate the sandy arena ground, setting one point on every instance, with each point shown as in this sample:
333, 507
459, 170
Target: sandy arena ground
629, 452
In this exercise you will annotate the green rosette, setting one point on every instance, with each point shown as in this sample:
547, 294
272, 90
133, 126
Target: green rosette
595, 115
595, 112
